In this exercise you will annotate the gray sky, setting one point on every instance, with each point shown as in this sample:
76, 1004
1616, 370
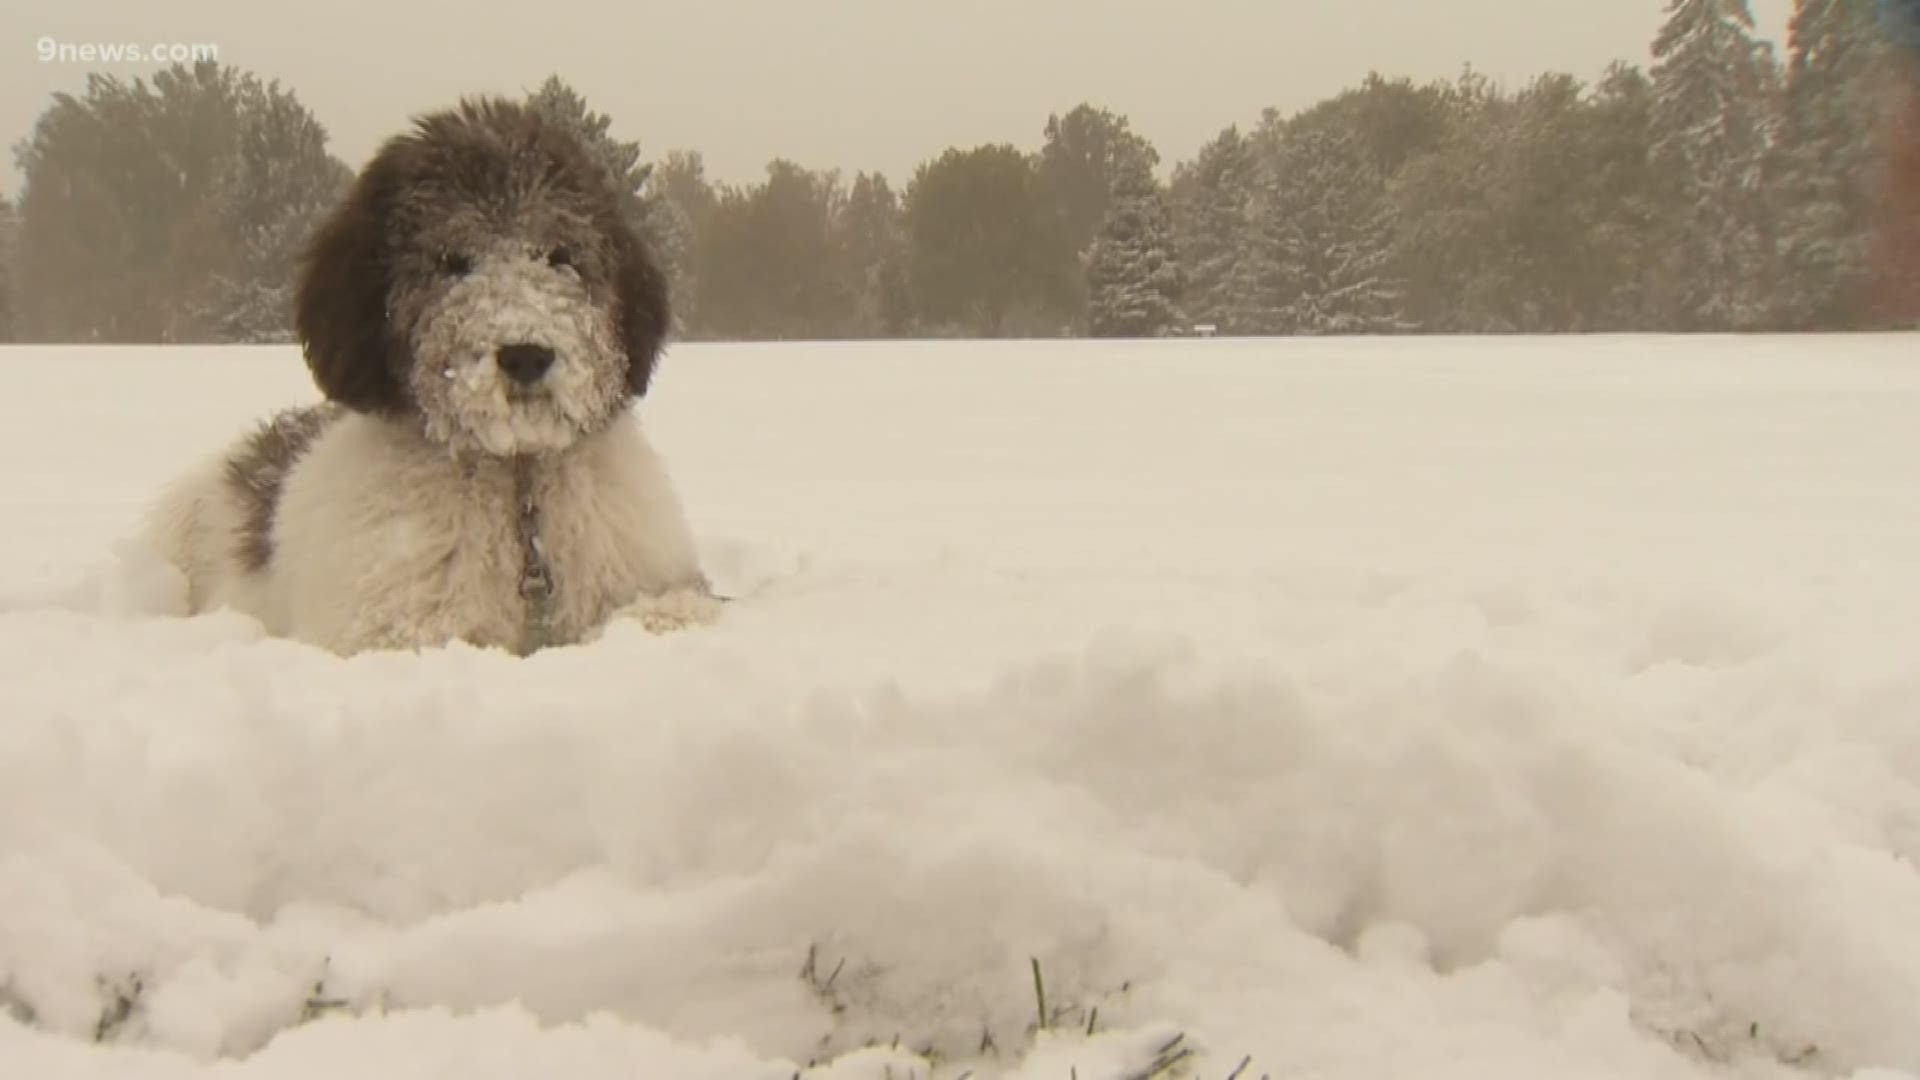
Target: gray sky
853, 84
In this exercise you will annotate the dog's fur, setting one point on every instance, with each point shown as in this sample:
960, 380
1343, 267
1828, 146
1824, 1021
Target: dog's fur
391, 515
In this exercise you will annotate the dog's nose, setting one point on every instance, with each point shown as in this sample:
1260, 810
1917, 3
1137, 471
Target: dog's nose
524, 362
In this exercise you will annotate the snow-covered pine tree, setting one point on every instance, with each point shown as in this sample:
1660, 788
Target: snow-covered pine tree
1837, 100
1210, 199
1263, 274
1134, 277
1343, 271
1713, 128
1320, 243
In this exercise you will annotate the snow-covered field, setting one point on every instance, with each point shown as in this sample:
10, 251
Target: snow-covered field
1478, 709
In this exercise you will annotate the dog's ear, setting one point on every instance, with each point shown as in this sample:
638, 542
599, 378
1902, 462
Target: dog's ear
641, 305
340, 302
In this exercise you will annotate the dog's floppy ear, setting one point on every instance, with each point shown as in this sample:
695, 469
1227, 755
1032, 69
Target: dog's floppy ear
340, 303
640, 304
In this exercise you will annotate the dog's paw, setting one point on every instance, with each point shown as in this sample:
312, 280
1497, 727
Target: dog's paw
680, 609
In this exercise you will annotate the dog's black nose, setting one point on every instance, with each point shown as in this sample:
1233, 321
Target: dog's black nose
524, 363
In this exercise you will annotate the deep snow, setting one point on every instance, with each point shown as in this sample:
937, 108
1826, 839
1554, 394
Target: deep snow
1475, 708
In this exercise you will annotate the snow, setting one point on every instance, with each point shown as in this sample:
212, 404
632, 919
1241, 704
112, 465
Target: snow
1440, 708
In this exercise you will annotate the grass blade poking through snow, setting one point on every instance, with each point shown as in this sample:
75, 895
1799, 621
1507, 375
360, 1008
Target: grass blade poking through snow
1170, 1054
1040, 994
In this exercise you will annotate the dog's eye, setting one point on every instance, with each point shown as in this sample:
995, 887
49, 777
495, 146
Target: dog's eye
560, 257
455, 264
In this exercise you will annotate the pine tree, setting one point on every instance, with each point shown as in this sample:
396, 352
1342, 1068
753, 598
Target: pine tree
1320, 244
1262, 272
1837, 107
1712, 117
1134, 278
1210, 196
1344, 247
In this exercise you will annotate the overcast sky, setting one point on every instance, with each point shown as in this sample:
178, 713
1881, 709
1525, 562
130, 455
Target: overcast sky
853, 84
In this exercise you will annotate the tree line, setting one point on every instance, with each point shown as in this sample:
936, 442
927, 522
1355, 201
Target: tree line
1721, 188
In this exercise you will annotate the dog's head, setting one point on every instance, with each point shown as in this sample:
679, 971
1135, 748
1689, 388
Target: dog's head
484, 276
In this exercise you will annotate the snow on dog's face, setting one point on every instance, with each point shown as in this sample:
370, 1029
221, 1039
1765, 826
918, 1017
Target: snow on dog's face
484, 277
510, 352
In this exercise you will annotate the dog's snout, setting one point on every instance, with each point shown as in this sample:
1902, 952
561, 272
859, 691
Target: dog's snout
524, 362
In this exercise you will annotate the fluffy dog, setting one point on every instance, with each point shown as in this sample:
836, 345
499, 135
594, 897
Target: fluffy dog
480, 315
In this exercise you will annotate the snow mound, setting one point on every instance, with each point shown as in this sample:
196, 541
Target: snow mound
1420, 823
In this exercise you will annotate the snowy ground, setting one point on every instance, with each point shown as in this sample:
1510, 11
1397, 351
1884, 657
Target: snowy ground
1490, 709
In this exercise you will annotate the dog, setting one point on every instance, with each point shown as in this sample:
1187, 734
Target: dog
480, 314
